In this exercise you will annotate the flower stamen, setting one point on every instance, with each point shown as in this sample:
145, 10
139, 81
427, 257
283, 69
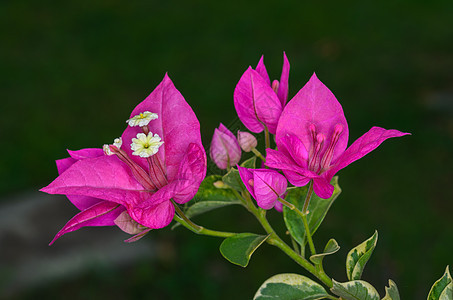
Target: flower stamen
117, 143
328, 155
142, 119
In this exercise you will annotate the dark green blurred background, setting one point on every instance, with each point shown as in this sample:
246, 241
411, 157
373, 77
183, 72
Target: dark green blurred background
72, 71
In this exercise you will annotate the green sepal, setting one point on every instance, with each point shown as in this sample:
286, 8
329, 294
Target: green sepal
239, 248
317, 209
290, 286
330, 248
232, 178
355, 290
359, 256
442, 289
391, 292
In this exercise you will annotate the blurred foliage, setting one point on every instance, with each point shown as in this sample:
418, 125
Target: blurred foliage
73, 70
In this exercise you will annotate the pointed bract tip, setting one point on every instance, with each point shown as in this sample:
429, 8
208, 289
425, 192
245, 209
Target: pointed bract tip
54, 239
222, 127
166, 77
315, 80
285, 58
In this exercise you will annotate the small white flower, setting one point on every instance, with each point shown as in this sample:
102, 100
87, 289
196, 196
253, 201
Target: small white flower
142, 119
146, 145
116, 142
106, 149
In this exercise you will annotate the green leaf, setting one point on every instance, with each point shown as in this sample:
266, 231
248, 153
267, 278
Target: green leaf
317, 208
359, 256
239, 248
290, 286
391, 292
232, 178
210, 197
330, 248
355, 290
442, 288
249, 163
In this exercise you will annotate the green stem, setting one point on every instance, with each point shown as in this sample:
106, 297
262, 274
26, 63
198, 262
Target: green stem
295, 245
307, 231
186, 222
304, 220
276, 241
258, 154
267, 139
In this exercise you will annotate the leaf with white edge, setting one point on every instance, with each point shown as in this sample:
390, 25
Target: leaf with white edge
391, 292
239, 248
442, 289
209, 197
330, 248
232, 178
355, 290
359, 256
290, 286
317, 209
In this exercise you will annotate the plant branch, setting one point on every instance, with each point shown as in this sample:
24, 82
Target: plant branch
276, 241
304, 220
181, 218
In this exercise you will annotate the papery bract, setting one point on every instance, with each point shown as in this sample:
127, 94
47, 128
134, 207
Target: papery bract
265, 185
225, 150
280, 87
141, 186
312, 137
257, 105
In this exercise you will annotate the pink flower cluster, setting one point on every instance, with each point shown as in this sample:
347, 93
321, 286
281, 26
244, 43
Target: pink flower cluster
311, 134
159, 160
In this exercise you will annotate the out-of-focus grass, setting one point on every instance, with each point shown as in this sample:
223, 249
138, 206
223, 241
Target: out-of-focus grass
72, 72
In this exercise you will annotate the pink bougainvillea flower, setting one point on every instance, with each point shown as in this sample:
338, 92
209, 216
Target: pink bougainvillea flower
265, 185
225, 150
131, 182
280, 87
312, 137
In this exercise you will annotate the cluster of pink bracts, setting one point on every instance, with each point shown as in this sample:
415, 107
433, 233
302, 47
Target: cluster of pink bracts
160, 158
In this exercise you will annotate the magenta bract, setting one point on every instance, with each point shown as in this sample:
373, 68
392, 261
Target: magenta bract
225, 150
265, 185
312, 137
280, 87
103, 186
259, 102
257, 105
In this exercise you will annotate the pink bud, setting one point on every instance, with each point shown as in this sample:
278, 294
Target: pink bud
275, 85
247, 141
225, 150
265, 185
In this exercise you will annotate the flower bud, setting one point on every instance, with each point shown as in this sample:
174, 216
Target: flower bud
247, 141
225, 150
266, 186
